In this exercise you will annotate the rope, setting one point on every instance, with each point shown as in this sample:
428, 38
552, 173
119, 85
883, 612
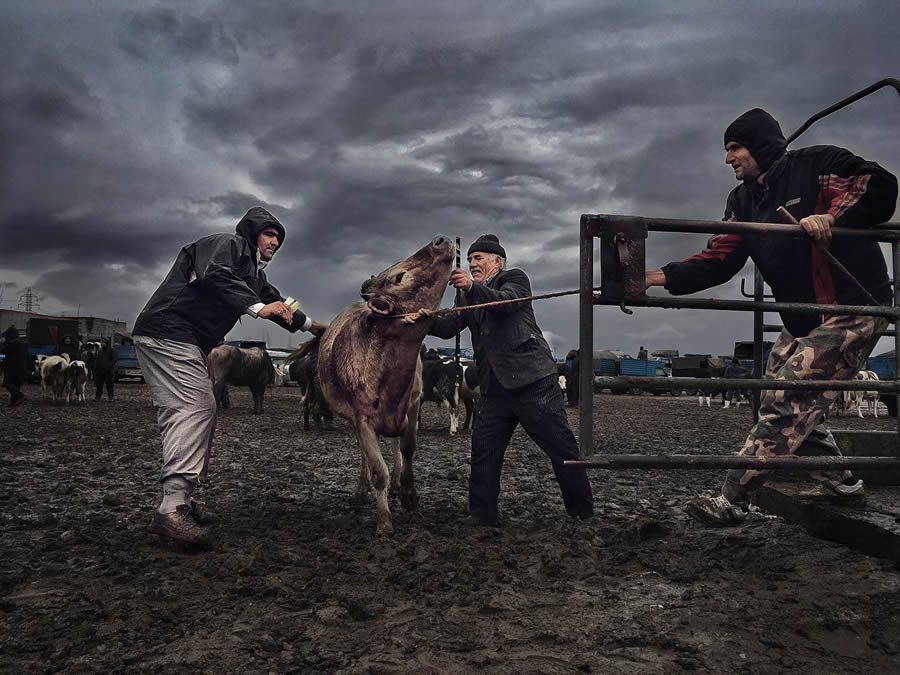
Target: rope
495, 303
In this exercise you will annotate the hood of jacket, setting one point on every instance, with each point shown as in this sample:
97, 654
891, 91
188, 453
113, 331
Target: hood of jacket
760, 133
255, 221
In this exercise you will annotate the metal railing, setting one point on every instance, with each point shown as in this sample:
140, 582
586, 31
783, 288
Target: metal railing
623, 272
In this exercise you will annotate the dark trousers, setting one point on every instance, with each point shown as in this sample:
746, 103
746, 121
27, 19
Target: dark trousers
108, 379
13, 386
538, 407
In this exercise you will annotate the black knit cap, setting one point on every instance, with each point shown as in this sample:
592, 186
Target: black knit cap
760, 133
487, 243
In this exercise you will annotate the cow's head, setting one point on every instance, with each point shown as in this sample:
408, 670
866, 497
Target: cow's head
407, 286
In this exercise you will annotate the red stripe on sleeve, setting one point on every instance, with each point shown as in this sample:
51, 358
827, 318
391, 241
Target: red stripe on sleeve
718, 247
842, 193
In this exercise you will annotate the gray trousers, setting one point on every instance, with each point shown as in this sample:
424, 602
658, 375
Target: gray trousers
182, 394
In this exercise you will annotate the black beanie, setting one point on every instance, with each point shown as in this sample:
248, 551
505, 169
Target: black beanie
487, 243
760, 133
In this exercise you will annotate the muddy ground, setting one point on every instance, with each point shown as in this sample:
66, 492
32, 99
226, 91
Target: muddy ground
297, 581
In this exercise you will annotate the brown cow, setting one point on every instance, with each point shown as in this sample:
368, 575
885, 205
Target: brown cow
370, 370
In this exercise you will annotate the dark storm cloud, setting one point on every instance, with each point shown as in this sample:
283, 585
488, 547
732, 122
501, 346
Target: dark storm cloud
127, 131
162, 32
37, 238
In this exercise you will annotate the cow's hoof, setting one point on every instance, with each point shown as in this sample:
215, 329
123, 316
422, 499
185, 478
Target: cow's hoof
409, 499
384, 530
359, 498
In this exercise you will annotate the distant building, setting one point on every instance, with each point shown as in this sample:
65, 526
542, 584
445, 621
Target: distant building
89, 327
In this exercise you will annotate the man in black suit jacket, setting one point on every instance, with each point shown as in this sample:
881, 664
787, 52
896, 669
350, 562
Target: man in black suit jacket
518, 380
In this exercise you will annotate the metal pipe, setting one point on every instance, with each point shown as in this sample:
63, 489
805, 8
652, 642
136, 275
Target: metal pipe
586, 341
895, 250
758, 317
887, 82
603, 222
776, 463
752, 305
722, 383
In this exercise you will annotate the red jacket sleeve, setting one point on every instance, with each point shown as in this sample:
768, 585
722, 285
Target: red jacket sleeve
723, 257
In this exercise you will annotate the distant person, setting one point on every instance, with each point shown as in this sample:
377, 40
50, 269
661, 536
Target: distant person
213, 282
15, 365
733, 370
821, 186
518, 381
642, 354
105, 370
67, 348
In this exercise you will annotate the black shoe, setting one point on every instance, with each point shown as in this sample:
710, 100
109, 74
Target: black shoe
475, 521
180, 527
17, 401
203, 516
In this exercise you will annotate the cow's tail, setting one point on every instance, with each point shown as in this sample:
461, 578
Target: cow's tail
308, 347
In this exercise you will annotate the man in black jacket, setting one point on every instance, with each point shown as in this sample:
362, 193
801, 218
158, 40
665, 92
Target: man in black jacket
517, 377
213, 282
15, 365
820, 186
67, 348
105, 370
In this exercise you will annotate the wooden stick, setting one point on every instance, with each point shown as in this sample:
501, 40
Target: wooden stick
834, 261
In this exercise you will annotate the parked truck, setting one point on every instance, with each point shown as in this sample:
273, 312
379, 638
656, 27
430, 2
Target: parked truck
615, 364
43, 336
127, 364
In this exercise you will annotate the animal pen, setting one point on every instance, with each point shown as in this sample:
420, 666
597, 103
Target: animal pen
622, 271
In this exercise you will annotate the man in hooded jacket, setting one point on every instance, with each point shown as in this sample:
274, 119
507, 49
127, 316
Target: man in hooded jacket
821, 186
213, 282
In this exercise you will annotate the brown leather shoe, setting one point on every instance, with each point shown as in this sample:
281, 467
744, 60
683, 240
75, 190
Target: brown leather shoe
180, 527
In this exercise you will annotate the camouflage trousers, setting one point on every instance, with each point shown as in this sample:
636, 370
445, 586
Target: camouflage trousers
791, 421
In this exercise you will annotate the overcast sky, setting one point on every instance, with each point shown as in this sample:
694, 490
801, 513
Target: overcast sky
128, 129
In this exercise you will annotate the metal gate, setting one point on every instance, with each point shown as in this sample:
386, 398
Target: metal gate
622, 271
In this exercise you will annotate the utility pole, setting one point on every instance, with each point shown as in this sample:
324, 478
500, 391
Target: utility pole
27, 301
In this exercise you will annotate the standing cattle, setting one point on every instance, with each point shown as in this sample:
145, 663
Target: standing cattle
242, 367
53, 377
76, 378
861, 397
370, 369
439, 385
469, 392
305, 372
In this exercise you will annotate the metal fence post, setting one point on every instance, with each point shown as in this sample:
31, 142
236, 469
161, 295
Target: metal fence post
757, 339
895, 273
586, 340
